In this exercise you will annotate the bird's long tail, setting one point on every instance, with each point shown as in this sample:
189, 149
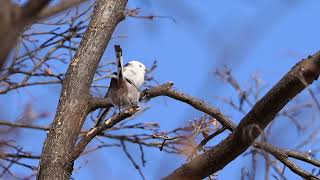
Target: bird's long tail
119, 58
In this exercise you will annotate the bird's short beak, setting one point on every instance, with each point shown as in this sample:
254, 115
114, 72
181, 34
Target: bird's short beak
146, 69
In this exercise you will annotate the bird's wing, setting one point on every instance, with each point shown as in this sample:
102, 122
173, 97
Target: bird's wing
114, 85
130, 81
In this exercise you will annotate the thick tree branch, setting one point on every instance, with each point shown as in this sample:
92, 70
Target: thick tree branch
74, 103
253, 123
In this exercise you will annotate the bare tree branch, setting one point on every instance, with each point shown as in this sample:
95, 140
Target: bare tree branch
21, 125
251, 125
38, 62
99, 129
166, 90
282, 155
136, 166
26, 156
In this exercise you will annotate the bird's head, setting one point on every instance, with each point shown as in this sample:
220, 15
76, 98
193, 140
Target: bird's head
135, 71
137, 66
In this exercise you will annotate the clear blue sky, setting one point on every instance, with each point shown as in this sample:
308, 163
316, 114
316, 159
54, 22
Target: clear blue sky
266, 37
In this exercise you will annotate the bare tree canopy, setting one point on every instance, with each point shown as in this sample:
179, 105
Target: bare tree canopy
59, 55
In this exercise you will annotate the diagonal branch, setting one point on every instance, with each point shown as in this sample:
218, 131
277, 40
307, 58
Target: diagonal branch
283, 156
207, 139
251, 125
99, 129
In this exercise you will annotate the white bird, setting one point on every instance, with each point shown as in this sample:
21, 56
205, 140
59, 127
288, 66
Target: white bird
124, 89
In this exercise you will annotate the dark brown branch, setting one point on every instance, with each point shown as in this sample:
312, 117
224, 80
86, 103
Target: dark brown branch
99, 129
166, 90
26, 156
293, 154
21, 125
74, 104
282, 155
251, 125
302, 156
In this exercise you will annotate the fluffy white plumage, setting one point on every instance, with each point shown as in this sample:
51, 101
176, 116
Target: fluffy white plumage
135, 72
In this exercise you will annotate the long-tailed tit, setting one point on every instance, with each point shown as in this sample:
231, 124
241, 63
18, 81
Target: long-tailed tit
125, 83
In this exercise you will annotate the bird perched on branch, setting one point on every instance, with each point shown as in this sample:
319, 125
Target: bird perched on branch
124, 86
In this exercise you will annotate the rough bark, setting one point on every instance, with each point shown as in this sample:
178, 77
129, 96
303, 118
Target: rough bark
252, 124
74, 102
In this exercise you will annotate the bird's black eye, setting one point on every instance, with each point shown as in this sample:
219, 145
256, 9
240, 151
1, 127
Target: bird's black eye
140, 65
